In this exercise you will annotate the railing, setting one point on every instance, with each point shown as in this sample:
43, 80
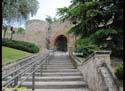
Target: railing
90, 56
78, 61
31, 67
16, 64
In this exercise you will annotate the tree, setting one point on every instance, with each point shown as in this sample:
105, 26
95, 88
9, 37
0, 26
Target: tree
89, 14
55, 19
97, 17
18, 10
20, 30
4, 28
49, 19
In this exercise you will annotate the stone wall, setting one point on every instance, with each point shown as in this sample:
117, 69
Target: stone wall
96, 72
61, 28
37, 32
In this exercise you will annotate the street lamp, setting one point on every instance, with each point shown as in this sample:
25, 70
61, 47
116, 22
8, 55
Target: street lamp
12, 32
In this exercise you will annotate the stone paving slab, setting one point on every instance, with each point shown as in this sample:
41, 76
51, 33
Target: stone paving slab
81, 89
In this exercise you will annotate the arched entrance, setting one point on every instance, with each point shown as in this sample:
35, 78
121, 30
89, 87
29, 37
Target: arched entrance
61, 43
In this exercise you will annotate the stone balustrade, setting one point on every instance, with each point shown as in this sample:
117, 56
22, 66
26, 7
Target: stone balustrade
97, 71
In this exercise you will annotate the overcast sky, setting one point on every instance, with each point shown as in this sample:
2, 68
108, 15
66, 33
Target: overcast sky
48, 7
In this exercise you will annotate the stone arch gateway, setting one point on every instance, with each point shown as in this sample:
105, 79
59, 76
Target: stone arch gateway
61, 43
37, 32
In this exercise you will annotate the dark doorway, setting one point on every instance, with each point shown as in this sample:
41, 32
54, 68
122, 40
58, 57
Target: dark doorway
61, 43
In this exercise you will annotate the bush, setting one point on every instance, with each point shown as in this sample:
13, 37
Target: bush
20, 30
119, 71
20, 45
86, 50
85, 46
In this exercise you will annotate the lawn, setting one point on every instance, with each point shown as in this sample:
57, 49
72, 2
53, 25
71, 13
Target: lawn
10, 54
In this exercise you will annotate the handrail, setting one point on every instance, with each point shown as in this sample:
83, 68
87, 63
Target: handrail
91, 55
82, 62
24, 71
18, 62
18, 69
31, 73
73, 55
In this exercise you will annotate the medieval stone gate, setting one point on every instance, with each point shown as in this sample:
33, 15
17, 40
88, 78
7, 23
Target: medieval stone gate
37, 32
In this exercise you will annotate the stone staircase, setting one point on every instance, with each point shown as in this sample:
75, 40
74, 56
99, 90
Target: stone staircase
60, 75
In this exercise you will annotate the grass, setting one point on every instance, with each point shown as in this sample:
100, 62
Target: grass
10, 54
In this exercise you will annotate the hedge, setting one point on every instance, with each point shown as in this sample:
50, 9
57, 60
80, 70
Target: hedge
20, 45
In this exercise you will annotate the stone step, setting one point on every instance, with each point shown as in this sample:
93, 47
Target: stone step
58, 74
56, 85
54, 78
75, 89
62, 61
69, 89
53, 63
58, 65
53, 68
58, 70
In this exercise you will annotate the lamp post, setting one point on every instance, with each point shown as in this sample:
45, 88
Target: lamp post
12, 32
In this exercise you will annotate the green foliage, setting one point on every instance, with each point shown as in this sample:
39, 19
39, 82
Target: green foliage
104, 32
21, 45
100, 36
49, 19
119, 71
20, 30
110, 39
63, 13
99, 20
4, 29
18, 10
85, 46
